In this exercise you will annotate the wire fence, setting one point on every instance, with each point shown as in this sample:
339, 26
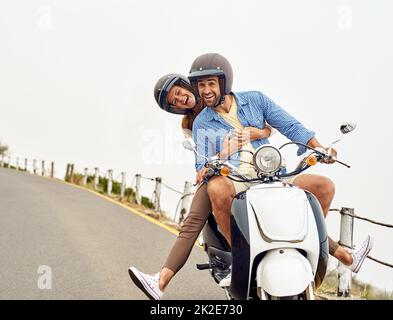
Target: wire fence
354, 216
40, 167
365, 219
177, 217
172, 189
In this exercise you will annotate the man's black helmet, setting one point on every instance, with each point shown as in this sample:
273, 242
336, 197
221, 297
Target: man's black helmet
212, 64
162, 88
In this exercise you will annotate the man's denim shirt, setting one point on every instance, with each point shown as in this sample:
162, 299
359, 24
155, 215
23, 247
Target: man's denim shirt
254, 108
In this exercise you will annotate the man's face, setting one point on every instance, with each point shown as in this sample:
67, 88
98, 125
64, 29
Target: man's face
181, 98
209, 90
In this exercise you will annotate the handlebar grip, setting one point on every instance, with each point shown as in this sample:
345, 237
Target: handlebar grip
338, 161
344, 164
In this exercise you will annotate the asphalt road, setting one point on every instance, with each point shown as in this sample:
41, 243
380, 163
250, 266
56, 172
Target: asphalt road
61, 242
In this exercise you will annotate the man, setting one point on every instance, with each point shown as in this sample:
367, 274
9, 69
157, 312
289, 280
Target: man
231, 115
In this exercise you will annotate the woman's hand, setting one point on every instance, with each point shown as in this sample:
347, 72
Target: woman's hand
235, 141
231, 144
250, 134
200, 175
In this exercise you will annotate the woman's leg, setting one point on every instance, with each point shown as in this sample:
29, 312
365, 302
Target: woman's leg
199, 212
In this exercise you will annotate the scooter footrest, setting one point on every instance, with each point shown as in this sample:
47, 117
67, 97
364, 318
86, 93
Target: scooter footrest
203, 266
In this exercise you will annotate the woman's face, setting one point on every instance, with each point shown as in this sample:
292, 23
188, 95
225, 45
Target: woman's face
181, 98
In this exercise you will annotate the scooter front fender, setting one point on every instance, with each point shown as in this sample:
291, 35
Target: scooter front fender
284, 272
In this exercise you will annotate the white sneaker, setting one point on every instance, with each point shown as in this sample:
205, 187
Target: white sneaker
359, 254
147, 283
226, 282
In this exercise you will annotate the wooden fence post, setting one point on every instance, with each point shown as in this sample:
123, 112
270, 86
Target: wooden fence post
96, 178
52, 169
85, 177
123, 185
185, 201
43, 168
346, 240
109, 189
71, 172
67, 175
157, 195
138, 197
34, 166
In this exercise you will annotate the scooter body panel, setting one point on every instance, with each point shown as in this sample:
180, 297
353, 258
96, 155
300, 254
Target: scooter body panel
302, 235
281, 213
251, 242
253, 238
240, 233
284, 272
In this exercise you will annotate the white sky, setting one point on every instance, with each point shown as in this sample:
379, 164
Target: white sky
76, 82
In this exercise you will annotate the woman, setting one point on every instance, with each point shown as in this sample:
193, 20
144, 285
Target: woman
173, 94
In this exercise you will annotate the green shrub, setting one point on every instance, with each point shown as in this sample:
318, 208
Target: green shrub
77, 178
116, 187
147, 203
3, 149
103, 183
129, 192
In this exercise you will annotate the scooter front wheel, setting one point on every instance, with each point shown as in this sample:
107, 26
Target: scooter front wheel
301, 296
308, 294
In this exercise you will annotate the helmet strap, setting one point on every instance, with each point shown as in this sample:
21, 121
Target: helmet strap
222, 92
173, 109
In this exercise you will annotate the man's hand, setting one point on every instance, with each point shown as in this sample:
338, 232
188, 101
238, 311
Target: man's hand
333, 155
200, 175
328, 151
314, 143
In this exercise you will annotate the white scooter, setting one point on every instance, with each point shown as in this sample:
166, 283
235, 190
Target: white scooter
278, 233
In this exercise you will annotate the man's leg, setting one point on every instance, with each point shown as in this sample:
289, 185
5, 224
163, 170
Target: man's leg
222, 192
323, 188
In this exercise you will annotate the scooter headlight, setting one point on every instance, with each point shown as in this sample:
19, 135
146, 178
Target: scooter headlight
267, 159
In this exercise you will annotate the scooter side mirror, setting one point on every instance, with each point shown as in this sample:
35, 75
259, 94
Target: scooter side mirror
189, 144
347, 127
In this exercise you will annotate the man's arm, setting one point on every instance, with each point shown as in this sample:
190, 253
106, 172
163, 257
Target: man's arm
285, 123
314, 143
